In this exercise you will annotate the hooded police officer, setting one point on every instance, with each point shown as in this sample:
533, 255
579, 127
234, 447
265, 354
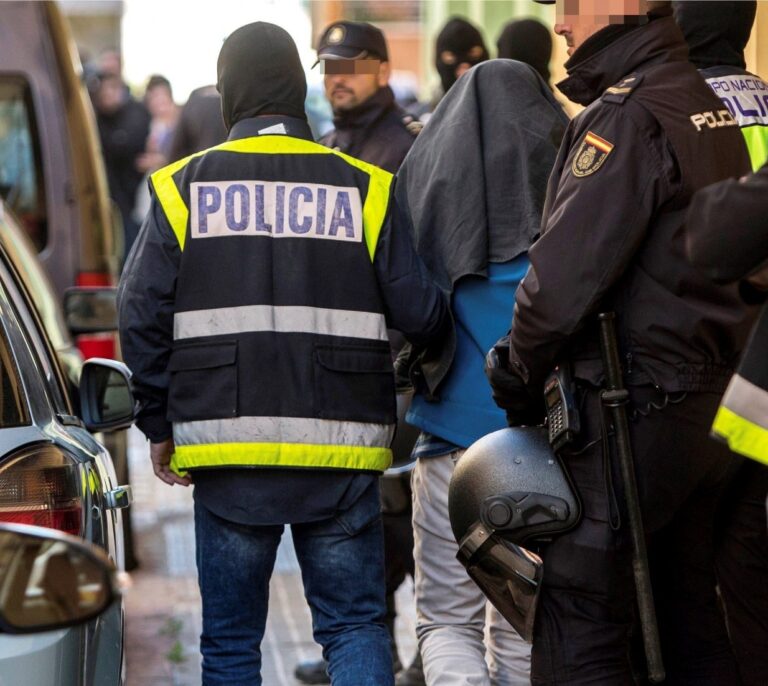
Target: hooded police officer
727, 223
253, 314
368, 123
459, 47
613, 239
717, 34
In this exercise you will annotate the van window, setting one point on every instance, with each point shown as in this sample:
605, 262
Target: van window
21, 169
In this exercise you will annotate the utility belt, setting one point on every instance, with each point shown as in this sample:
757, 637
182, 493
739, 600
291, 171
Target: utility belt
563, 399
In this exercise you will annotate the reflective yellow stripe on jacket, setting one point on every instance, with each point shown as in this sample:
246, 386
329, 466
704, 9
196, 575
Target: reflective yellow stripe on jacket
757, 144
280, 455
742, 419
376, 200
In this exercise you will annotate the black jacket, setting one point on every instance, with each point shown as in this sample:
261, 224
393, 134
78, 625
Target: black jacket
148, 298
200, 126
377, 131
613, 235
728, 228
123, 138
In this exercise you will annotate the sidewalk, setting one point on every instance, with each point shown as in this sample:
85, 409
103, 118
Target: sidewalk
163, 604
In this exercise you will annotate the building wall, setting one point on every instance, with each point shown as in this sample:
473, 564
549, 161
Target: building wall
95, 25
757, 50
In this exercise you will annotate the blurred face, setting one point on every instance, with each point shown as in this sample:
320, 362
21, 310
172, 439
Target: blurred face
159, 102
110, 95
349, 83
577, 20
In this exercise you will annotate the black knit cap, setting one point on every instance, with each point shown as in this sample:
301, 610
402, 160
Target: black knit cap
529, 41
716, 32
259, 72
457, 43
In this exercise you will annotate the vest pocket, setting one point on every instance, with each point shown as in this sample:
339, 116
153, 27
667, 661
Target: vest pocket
203, 381
354, 383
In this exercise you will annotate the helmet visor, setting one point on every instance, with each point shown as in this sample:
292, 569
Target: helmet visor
508, 575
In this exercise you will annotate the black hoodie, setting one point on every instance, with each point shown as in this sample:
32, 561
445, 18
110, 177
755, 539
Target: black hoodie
259, 72
716, 32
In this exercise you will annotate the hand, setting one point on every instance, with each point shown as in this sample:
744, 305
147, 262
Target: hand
510, 391
160, 454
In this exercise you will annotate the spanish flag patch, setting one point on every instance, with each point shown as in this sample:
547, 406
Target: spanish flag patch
591, 154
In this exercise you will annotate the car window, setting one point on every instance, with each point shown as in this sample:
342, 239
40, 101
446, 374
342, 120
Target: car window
32, 327
13, 407
21, 176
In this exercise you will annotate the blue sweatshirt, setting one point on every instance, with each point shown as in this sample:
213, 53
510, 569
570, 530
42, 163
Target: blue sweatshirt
482, 309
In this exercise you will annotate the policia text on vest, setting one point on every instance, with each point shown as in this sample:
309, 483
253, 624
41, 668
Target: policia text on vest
266, 208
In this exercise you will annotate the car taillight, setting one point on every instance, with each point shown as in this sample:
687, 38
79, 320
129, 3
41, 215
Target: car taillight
97, 344
41, 485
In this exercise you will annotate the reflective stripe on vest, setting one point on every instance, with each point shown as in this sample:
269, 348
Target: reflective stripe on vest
287, 319
282, 442
757, 144
742, 420
280, 455
374, 208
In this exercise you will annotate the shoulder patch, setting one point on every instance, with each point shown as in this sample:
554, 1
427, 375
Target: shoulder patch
412, 125
590, 155
619, 92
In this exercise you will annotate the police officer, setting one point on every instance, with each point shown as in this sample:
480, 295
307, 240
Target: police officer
613, 239
728, 240
253, 314
717, 34
458, 47
368, 122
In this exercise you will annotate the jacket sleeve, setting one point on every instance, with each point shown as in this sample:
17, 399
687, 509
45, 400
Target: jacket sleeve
145, 301
592, 227
727, 228
414, 305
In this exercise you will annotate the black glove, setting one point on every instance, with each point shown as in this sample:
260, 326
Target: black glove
510, 391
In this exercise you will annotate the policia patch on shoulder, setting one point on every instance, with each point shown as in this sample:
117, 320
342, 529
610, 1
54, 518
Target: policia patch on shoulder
591, 155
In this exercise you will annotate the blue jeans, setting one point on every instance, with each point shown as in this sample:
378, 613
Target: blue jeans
342, 567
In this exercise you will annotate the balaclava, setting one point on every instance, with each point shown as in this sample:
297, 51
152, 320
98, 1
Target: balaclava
716, 32
529, 41
259, 72
458, 42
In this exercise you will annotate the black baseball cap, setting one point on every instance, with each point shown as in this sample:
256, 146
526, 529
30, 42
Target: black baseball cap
352, 40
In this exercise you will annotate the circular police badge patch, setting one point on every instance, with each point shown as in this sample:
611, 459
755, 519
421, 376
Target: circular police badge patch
336, 35
591, 155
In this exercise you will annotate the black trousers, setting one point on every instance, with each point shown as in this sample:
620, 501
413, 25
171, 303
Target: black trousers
586, 625
742, 570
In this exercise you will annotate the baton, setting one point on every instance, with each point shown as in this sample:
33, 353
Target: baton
615, 398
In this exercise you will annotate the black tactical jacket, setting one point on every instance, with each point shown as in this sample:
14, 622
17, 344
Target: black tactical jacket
377, 131
613, 227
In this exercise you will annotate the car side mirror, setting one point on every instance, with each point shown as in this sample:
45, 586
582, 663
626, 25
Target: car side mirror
106, 399
51, 580
90, 310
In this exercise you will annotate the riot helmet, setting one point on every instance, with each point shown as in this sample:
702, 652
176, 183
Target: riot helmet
510, 488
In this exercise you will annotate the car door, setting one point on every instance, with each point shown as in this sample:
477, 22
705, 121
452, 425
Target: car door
92, 654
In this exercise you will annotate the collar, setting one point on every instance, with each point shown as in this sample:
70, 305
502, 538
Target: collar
271, 124
362, 116
611, 54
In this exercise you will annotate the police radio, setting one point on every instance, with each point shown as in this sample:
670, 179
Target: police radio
562, 416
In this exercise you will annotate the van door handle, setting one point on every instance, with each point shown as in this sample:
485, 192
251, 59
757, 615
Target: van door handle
119, 498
